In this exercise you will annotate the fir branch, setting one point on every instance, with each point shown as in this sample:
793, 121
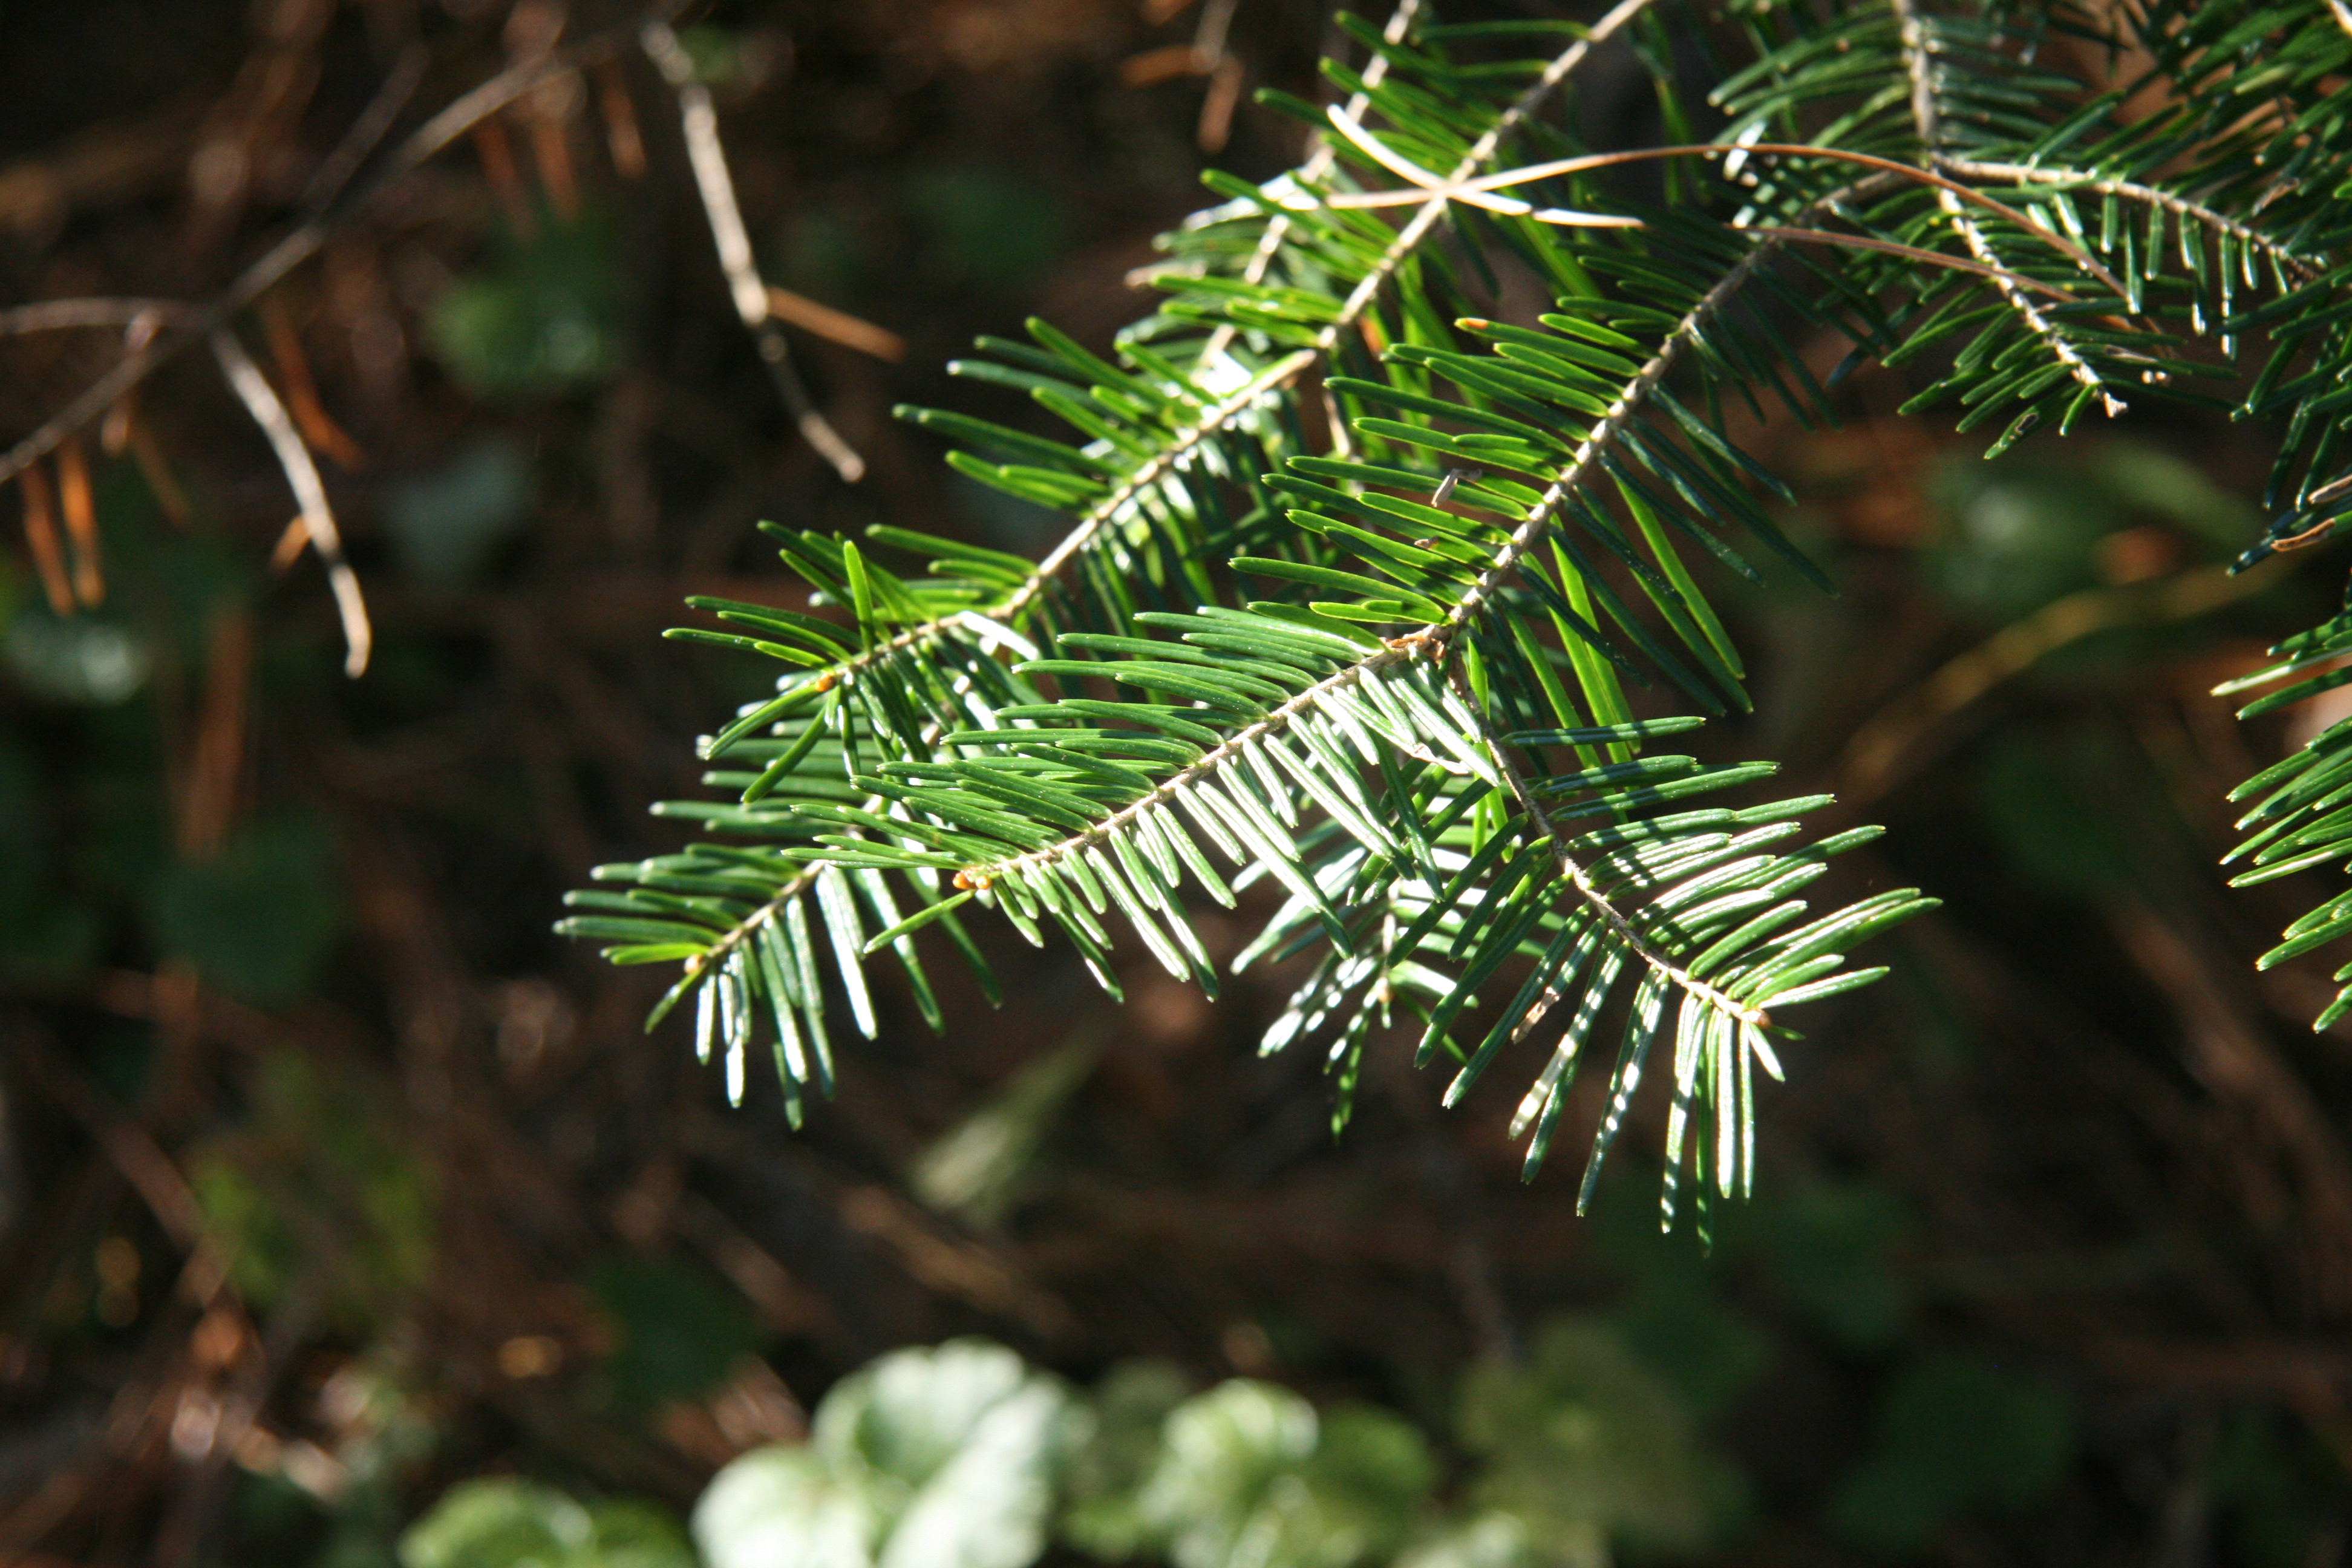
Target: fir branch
1918, 50
1318, 165
1435, 638
2303, 268
1578, 878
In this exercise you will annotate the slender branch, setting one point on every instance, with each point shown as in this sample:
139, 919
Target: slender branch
1918, 49
1010, 608
1416, 229
2043, 326
2128, 190
1434, 638
318, 517
1578, 878
1531, 530
58, 315
1099, 516
1286, 371
1104, 511
371, 127
197, 324
699, 120
1318, 163
839, 326
1620, 17
1473, 189
1208, 763
1908, 252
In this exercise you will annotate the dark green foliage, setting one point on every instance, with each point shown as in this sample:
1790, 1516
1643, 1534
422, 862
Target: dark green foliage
259, 917
677, 1331
540, 316
1956, 1434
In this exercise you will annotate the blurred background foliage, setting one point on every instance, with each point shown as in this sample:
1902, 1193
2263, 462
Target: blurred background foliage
346, 1218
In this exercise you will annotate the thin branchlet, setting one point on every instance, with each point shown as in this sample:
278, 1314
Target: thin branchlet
1506, 762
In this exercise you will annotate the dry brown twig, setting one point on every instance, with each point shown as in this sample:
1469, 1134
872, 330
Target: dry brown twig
317, 519
181, 325
698, 118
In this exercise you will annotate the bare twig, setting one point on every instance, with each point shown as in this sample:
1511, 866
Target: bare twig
841, 327
310, 417
318, 517
127, 1145
81, 509
305, 241
370, 129
1507, 759
55, 315
1475, 190
699, 120
622, 137
41, 535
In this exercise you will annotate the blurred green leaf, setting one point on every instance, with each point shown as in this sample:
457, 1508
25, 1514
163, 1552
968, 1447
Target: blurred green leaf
1583, 1443
1112, 1451
979, 1168
787, 1507
2281, 1493
1500, 1540
820, 253
519, 1524
679, 1330
541, 316
23, 821
496, 1524
2059, 831
2164, 485
84, 660
258, 917
446, 524
717, 53
1682, 1329
318, 1176
1250, 1474
1957, 1434
992, 227
927, 1459
1831, 1249
2018, 532
45, 934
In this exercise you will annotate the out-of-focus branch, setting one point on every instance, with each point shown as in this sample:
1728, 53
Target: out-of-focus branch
81, 509
369, 130
41, 536
127, 1145
1894, 741
824, 322
55, 315
317, 519
307, 239
699, 118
